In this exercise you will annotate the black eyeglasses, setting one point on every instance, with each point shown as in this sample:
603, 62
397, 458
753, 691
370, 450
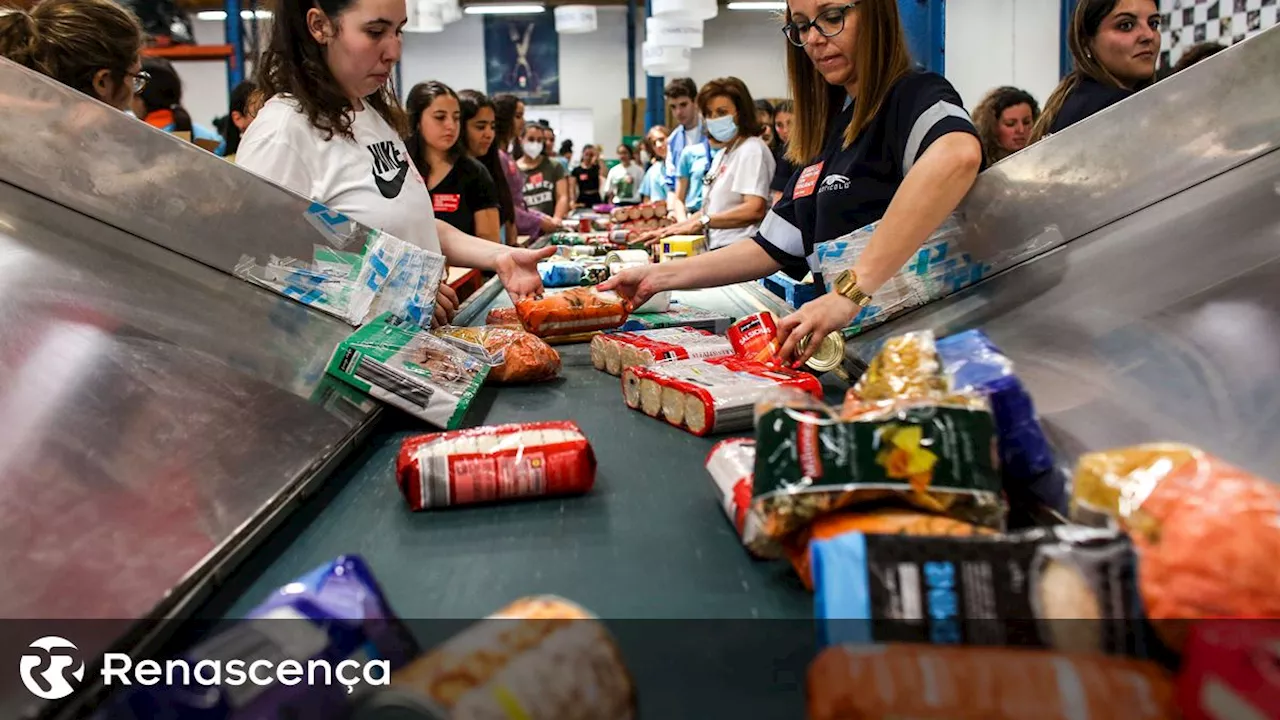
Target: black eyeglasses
829, 24
140, 79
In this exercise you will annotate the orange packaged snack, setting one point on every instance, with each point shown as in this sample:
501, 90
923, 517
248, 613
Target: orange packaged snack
517, 356
503, 316
882, 522
1207, 533
580, 310
930, 682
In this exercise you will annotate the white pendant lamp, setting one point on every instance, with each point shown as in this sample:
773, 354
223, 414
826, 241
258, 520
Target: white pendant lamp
450, 11
575, 19
667, 60
695, 9
674, 31
425, 16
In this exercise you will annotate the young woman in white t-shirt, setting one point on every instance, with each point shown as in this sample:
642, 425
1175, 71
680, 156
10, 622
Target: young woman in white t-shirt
737, 183
332, 130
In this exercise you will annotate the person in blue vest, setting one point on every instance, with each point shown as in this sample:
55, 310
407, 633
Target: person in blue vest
873, 139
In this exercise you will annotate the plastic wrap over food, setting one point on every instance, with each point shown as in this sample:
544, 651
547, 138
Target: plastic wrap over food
879, 682
1230, 664
885, 521
409, 368
515, 355
1065, 587
939, 268
504, 316
972, 362
708, 396
561, 273
615, 352
1207, 533
933, 457
579, 310
677, 316
335, 614
730, 464
540, 658
387, 275
489, 464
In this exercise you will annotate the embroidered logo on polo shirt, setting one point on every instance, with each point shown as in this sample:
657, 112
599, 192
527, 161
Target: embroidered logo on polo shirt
386, 158
834, 182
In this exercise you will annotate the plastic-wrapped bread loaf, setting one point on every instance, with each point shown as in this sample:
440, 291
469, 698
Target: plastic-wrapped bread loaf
619, 351
673, 406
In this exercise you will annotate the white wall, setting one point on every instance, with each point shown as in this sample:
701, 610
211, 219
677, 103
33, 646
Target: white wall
1002, 42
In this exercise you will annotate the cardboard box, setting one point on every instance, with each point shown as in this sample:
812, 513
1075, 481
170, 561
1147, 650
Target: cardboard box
633, 120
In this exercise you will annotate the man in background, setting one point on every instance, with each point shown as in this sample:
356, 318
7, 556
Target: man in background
681, 94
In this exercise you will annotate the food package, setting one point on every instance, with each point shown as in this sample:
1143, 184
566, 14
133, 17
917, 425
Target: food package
561, 273
659, 303
1207, 533
708, 396
906, 368
540, 658
616, 352
334, 614
887, 521
411, 369
515, 355
386, 275
503, 316
683, 246
1065, 587
926, 682
939, 268
731, 464
972, 362
571, 312
488, 464
1229, 671
937, 458
681, 316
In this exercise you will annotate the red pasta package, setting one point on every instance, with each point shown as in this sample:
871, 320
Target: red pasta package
488, 464
580, 310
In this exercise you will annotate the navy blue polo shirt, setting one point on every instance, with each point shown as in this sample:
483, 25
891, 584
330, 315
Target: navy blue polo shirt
846, 189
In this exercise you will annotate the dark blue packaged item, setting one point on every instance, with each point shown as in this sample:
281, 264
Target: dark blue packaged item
1067, 588
300, 654
973, 361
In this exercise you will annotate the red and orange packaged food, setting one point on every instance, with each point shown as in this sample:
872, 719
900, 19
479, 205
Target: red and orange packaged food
488, 464
755, 337
571, 312
615, 352
515, 355
1207, 533
877, 522
505, 316
1230, 669
540, 658
934, 682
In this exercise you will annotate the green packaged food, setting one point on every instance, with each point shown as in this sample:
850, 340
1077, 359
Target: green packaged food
409, 368
936, 457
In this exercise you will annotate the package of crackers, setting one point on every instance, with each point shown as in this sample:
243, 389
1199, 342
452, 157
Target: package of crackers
616, 352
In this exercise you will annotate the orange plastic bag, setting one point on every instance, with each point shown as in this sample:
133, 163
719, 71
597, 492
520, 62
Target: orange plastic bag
933, 682
580, 310
503, 316
524, 358
1207, 533
884, 522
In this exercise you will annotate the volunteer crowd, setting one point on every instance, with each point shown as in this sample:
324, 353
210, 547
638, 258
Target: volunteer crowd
865, 136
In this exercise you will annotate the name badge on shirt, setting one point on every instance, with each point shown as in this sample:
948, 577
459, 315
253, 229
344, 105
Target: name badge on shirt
808, 181
446, 203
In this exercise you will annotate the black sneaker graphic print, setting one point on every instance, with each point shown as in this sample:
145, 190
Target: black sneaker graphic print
387, 159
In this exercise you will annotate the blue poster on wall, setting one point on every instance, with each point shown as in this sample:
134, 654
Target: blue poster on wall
522, 57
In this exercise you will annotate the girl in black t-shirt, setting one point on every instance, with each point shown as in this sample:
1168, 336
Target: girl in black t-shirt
462, 193
1114, 45
586, 179
479, 136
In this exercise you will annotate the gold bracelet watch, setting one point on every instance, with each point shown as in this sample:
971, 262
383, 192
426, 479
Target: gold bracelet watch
846, 284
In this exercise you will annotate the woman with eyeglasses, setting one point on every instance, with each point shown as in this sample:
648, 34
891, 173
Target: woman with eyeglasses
872, 140
90, 45
332, 130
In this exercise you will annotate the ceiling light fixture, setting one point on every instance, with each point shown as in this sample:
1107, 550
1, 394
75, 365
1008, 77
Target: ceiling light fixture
220, 15
749, 5
516, 9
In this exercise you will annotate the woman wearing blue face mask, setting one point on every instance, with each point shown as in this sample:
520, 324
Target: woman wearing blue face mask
737, 182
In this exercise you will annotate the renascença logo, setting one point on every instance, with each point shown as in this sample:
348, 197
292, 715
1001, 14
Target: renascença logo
46, 674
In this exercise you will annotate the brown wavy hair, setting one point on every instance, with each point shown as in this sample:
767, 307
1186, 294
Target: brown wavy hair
293, 64
736, 90
881, 59
71, 40
1085, 22
986, 117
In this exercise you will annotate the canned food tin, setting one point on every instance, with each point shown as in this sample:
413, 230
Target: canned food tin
755, 337
595, 274
541, 658
829, 355
637, 257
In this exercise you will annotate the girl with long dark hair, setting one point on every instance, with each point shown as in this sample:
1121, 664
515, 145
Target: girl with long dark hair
479, 136
332, 130
509, 126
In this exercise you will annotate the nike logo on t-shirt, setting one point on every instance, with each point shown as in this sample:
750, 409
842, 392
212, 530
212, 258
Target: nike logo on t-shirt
387, 158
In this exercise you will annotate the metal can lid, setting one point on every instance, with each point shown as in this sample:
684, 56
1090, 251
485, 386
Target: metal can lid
388, 703
828, 356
